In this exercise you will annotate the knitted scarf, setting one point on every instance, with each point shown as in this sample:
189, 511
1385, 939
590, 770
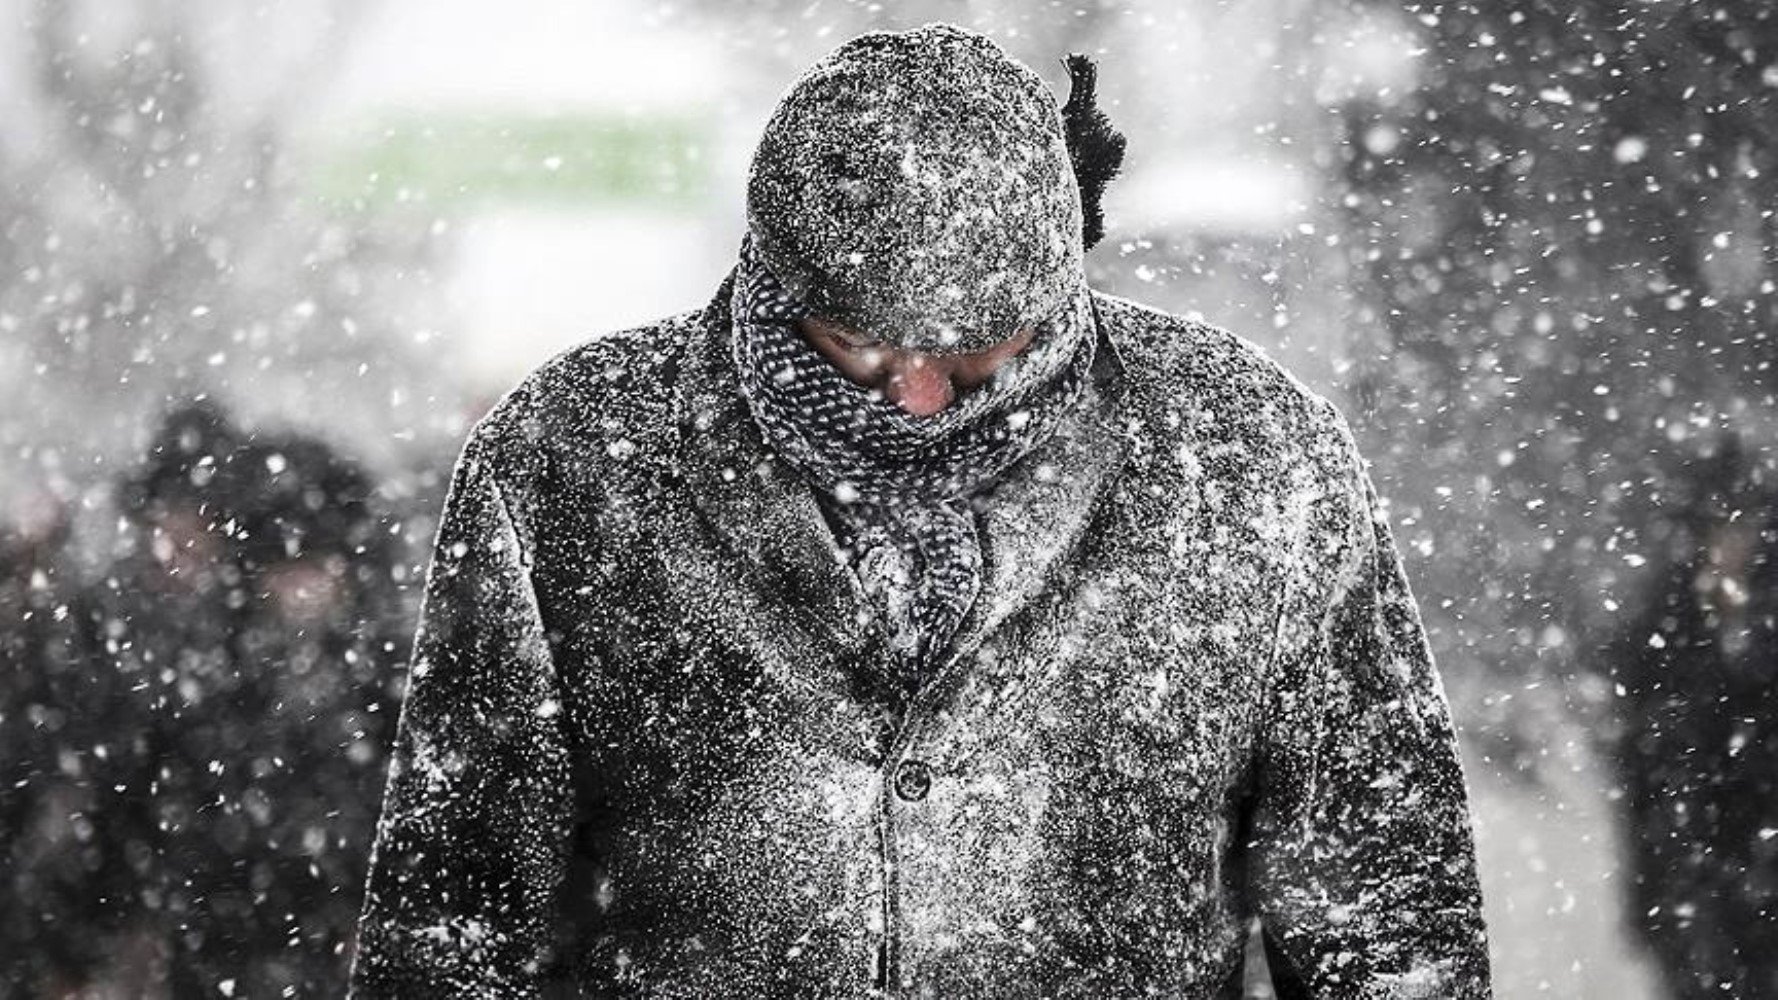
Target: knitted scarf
897, 488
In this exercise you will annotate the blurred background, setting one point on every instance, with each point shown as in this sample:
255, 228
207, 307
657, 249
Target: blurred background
262, 265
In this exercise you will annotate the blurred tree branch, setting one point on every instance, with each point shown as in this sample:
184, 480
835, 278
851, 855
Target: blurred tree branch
160, 242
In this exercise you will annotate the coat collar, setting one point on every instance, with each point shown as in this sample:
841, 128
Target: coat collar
768, 516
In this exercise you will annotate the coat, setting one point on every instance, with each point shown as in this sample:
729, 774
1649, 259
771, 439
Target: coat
646, 749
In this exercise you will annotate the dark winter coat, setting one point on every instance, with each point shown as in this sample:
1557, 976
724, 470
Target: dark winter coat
645, 751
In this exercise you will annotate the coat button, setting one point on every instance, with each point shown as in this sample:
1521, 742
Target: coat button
913, 779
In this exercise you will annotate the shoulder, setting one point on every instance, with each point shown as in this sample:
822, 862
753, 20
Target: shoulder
588, 411
1232, 435
1190, 381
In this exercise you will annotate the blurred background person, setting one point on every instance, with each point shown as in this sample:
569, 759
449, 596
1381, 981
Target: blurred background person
63, 877
249, 629
166, 609
319, 643
194, 746
1696, 748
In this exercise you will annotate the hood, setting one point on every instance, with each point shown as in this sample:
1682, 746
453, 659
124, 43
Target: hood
920, 187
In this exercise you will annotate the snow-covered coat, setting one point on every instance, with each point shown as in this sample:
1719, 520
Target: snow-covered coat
646, 750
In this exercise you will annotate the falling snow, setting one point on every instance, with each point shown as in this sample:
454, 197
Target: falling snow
397, 592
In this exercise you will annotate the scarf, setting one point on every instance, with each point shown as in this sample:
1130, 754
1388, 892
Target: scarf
899, 489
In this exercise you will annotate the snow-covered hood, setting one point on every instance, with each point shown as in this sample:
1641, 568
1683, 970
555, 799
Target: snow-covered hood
917, 186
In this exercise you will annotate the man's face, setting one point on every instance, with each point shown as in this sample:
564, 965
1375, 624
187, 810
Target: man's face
188, 552
305, 591
918, 382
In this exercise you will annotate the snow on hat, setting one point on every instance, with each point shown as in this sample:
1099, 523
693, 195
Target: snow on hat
920, 187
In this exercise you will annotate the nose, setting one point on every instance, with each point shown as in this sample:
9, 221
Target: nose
919, 385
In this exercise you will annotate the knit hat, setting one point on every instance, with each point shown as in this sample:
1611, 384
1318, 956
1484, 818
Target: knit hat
921, 187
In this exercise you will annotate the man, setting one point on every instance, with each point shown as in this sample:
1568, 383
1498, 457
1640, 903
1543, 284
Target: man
1025, 644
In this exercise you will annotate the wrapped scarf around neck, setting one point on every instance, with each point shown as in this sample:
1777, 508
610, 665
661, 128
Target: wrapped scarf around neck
896, 487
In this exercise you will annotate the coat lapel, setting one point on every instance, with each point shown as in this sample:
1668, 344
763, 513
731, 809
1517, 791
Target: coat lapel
1041, 510
756, 503
768, 516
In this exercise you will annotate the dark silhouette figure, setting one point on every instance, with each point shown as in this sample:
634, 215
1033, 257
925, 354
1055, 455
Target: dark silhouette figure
64, 875
250, 631
1697, 748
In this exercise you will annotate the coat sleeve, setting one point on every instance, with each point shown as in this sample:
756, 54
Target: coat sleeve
1361, 857
470, 849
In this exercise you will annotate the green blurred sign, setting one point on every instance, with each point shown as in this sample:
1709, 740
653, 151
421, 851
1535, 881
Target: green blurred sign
450, 160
